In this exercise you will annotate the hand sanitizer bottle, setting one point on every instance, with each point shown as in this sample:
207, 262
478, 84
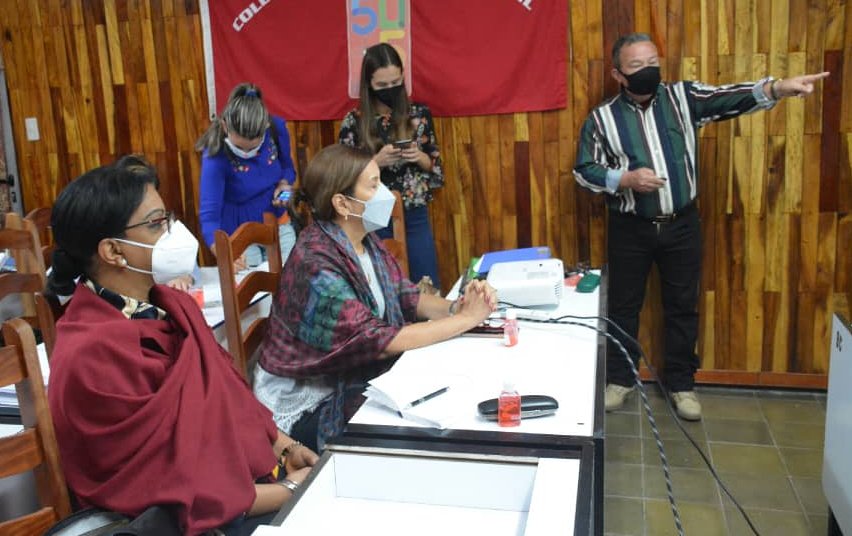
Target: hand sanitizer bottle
510, 328
509, 406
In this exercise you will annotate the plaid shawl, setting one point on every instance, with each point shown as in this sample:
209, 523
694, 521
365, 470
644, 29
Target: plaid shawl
324, 317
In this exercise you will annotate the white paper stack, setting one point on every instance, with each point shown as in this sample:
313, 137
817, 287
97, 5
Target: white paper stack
429, 400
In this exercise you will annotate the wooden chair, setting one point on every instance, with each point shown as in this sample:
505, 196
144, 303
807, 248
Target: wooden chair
397, 246
237, 296
22, 239
35, 258
35, 448
41, 219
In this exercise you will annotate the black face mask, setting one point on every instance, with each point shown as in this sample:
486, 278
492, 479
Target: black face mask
644, 81
389, 95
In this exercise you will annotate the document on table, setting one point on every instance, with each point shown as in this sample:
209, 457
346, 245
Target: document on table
430, 400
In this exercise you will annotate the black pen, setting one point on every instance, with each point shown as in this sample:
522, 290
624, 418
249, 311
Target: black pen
430, 396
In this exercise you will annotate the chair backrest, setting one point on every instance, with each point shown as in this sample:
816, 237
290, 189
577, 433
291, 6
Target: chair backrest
397, 246
21, 239
40, 218
30, 258
48, 312
35, 448
237, 296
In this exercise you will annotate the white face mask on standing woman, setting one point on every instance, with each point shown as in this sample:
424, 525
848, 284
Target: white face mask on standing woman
173, 256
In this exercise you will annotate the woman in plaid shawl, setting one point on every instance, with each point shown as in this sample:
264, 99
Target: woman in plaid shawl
343, 306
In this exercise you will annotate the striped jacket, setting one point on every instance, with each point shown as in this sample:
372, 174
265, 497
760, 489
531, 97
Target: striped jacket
619, 135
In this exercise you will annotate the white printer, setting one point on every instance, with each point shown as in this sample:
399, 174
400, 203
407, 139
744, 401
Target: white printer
528, 283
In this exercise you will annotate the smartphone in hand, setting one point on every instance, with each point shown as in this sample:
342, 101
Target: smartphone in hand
284, 196
402, 144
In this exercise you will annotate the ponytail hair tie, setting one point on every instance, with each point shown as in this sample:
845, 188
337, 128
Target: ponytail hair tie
251, 93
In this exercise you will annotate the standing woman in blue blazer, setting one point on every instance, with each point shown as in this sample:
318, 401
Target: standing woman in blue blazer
245, 166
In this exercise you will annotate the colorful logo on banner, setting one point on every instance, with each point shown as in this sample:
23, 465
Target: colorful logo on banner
369, 22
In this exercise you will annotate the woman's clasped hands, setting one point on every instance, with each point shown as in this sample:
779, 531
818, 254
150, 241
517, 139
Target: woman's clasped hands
479, 300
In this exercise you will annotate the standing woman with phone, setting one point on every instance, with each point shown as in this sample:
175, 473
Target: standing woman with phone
246, 170
401, 135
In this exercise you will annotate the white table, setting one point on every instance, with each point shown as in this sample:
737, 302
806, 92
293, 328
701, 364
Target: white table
554, 360
565, 362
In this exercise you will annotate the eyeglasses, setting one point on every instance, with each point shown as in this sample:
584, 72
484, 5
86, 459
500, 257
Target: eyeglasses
155, 224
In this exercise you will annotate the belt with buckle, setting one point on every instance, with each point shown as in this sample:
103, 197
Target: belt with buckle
668, 218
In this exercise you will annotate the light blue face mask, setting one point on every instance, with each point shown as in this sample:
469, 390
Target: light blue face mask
377, 210
251, 153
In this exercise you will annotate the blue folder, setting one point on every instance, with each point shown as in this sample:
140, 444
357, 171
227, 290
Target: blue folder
509, 255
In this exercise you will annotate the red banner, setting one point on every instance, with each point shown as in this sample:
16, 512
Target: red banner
464, 57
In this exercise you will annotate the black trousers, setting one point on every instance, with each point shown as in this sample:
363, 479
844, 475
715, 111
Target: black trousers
675, 246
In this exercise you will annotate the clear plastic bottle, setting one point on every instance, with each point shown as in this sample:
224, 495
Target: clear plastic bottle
509, 406
510, 328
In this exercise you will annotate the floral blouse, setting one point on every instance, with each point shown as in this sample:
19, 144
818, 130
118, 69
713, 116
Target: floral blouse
407, 178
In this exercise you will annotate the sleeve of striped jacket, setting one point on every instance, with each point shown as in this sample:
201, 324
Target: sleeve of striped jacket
718, 103
591, 166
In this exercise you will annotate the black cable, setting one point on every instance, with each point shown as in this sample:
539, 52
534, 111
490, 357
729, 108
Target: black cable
669, 405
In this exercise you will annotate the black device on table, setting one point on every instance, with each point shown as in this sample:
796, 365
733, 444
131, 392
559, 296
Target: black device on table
531, 406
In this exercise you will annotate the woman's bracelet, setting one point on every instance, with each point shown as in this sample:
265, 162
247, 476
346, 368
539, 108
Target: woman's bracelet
289, 484
286, 451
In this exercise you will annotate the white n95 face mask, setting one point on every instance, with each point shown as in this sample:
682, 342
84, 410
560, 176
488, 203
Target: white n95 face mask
378, 210
245, 155
173, 256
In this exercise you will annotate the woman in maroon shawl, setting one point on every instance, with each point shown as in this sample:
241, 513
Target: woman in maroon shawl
343, 306
147, 406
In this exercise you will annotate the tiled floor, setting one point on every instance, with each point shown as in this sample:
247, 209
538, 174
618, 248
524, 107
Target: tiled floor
765, 445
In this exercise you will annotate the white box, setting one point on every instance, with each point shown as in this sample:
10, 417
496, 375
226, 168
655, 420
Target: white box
355, 490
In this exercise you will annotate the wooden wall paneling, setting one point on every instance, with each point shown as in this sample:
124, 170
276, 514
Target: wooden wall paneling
794, 164
778, 39
131, 52
755, 241
797, 40
724, 16
537, 179
494, 182
114, 42
552, 187
659, 25
692, 29
843, 268
106, 139
829, 170
757, 146
814, 62
508, 201
835, 20
675, 35
846, 106
641, 16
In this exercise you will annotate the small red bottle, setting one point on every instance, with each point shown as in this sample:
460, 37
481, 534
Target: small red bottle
509, 406
510, 328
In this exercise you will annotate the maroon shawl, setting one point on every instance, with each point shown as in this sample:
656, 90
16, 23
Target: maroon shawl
153, 412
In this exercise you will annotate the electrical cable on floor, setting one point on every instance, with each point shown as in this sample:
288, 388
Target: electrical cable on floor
569, 320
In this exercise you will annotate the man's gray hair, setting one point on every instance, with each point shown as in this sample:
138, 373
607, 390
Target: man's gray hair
624, 41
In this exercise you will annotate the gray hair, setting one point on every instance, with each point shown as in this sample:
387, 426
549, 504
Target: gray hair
625, 40
244, 114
